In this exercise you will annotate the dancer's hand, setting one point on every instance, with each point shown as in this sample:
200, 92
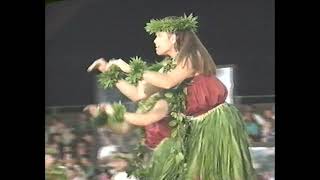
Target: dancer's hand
118, 128
99, 64
107, 108
103, 66
92, 110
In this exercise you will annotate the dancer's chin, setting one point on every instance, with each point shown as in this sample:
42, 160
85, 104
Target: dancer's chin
158, 53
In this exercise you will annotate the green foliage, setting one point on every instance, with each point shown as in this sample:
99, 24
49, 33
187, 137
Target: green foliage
147, 104
176, 99
155, 67
137, 165
117, 117
110, 78
137, 66
100, 120
168, 65
105, 119
56, 172
169, 24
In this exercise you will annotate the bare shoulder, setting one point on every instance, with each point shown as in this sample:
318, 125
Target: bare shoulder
185, 67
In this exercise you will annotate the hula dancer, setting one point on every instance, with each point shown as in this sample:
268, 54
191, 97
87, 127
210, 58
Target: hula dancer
209, 141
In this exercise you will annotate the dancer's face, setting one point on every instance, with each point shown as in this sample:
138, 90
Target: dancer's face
164, 43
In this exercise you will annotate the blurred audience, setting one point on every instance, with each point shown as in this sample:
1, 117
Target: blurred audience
260, 126
79, 151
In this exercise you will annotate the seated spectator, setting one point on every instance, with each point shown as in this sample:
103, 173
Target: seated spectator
55, 142
68, 136
252, 127
269, 130
81, 148
115, 162
76, 173
50, 157
53, 168
87, 166
83, 124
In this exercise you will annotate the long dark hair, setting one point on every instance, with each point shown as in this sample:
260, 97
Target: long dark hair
191, 48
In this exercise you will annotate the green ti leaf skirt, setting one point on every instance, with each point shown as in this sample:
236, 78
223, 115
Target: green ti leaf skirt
216, 147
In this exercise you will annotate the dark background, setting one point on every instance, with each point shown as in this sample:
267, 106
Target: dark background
80, 31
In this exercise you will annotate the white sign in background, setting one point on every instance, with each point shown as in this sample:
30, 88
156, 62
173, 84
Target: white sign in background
225, 75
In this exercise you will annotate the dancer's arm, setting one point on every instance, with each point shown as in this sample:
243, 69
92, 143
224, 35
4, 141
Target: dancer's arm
132, 92
170, 79
93, 111
102, 65
124, 87
159, 111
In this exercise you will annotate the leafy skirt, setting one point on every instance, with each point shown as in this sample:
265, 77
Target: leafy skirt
216, 147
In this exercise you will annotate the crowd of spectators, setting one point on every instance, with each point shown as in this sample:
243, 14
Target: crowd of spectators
80, 151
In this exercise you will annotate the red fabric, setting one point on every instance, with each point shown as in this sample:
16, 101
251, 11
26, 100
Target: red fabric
156, 132
204, 93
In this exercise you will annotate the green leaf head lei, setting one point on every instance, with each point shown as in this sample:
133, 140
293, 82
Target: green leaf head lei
172, 24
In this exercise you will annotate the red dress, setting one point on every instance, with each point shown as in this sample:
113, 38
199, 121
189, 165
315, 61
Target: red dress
204, 93
156, 132
224, 130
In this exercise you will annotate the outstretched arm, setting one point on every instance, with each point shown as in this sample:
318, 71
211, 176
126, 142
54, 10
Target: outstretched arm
159, 111
170, 79
93, 111
102, 65
132, 92
124, 87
